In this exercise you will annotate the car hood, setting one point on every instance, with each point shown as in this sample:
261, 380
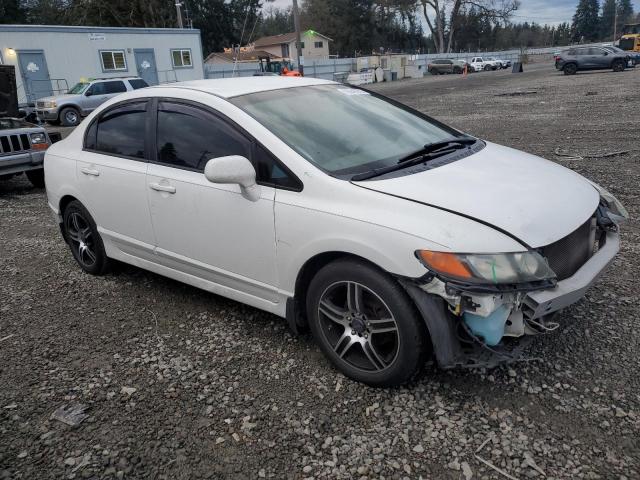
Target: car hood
58, 98
532, 199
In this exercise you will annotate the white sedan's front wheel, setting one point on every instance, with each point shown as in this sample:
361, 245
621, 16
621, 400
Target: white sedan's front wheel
366, 324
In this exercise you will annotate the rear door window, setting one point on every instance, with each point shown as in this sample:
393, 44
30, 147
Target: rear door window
120, 131
137, 83
114, 87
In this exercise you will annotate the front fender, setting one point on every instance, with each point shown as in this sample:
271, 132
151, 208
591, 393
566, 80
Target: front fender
303, 234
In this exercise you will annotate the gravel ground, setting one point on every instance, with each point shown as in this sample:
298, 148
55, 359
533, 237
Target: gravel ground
183, 384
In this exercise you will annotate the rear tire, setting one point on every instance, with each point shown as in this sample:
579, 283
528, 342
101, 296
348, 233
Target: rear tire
433, 71
365, 323
81, 233
36, 177
570, 69
618, 65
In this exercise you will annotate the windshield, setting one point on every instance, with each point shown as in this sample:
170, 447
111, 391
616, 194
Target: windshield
78, 88
343, 130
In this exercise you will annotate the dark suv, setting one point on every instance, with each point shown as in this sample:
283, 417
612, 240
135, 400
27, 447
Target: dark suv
591, 58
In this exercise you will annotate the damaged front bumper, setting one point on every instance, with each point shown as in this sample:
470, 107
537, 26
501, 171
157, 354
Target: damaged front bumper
484, 329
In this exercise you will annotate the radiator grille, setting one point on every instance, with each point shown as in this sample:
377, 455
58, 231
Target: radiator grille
14, 143
568, 254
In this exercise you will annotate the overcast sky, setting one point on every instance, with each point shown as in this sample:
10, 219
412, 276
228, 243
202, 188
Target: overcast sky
539, 11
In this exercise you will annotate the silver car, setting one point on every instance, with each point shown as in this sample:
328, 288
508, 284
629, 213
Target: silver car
83, 98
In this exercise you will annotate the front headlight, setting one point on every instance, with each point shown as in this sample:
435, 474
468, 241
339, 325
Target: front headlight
519, 267
39, 141
38, 138
49, 104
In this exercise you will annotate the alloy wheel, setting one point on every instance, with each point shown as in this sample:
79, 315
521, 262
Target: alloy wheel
358, 326
81, 237
71, 117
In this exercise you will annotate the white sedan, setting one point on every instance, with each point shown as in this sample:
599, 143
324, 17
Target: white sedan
393, 237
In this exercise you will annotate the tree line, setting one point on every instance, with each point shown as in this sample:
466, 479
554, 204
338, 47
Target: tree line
593, 23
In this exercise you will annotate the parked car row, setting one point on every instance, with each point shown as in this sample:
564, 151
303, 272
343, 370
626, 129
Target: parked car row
606, 57
441, 66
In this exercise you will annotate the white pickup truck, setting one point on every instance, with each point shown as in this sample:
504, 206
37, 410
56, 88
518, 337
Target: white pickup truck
479, 63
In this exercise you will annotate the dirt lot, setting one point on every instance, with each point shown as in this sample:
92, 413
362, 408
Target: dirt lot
183, 384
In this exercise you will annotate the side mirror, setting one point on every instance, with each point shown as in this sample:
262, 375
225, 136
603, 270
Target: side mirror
88, 93
234, 169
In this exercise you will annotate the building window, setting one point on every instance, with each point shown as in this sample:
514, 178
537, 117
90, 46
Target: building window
318, 44
301, 44
113, 61
181, 58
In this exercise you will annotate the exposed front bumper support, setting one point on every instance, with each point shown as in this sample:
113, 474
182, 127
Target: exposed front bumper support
569, 291
444, 326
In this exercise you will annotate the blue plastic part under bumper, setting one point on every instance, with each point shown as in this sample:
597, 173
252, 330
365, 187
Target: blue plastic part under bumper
489, 328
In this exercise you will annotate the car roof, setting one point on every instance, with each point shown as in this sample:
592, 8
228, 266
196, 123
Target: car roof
233, 87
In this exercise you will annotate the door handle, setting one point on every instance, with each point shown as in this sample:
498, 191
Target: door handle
162, 188
90, 171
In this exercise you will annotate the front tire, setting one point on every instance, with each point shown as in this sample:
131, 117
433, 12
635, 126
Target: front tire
36, 177
70, 117
365, 323
618, 66
81, 233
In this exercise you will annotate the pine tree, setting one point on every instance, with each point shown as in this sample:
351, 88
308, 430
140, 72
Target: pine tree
586, 21
625, 14
607, 19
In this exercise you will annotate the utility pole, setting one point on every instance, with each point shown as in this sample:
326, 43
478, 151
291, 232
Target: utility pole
296, 23
615, 22
179, 14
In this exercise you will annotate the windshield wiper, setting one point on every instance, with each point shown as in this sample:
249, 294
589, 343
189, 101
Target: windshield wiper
426, 153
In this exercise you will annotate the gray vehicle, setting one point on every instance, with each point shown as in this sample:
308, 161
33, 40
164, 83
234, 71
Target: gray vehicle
22, 147
83, 98
445, 65
591, 58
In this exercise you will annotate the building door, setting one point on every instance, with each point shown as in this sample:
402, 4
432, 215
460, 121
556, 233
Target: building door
35, 74
146, 65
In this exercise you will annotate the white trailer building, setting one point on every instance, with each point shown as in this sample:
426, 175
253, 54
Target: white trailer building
51, 58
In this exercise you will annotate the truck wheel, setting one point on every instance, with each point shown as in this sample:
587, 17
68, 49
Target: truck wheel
487, 68
70, 117
570, 69
618, 65
36, 177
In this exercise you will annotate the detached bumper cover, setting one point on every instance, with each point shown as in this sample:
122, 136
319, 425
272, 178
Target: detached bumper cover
572, 289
